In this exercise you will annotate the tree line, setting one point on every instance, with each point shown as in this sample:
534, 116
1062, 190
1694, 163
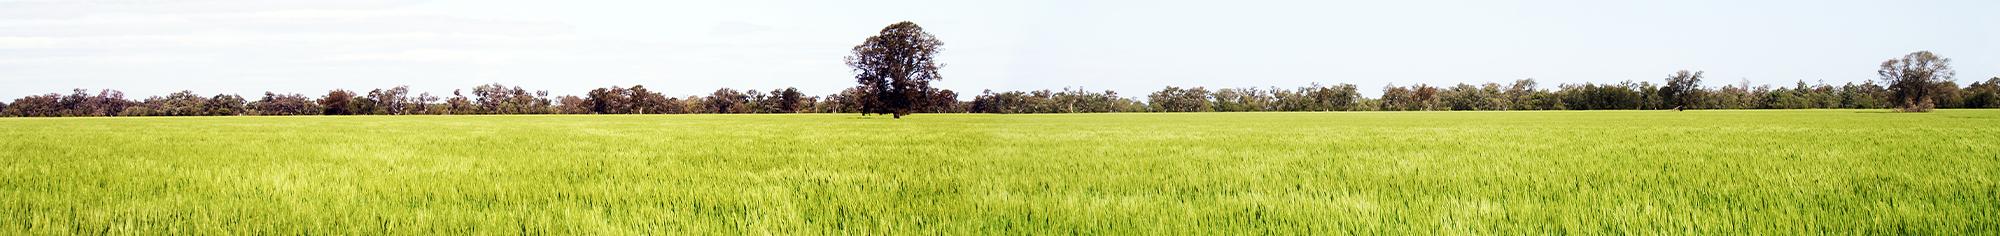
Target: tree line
482, 100
893, 71
1519, 95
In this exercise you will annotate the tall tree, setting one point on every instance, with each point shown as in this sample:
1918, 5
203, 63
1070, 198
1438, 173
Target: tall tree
895, 68
1681, 88
1914, 79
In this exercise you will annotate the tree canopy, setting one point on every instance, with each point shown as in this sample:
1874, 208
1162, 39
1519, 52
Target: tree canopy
1914, 80
894, 69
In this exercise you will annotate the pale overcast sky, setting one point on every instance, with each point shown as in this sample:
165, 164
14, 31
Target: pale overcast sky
150, 47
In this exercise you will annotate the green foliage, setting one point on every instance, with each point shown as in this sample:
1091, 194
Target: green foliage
1983, 94
1045, 101
895, 69
1176, 99
1376, 173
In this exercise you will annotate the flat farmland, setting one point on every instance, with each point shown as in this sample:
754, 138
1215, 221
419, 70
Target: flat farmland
1567, 172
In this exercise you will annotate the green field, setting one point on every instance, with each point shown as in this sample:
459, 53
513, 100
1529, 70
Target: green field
1598, 172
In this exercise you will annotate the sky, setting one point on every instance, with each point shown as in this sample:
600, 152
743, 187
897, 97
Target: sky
248, 47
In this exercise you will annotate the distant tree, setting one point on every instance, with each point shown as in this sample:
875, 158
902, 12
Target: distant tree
612, 100
1737, 96
786, 100
646, 101
500, 99
537, 102
1524, 94
895, 68
1080, 100
941, 101
1817, 95
1787, 98
493, 98
337, 102
1589, 96
1681, 89
393, 101
726, 101
1240, 99
425, 104
1948, 95
1467, 97
151, 106
1396, 98
757, 102
1426, 97
75, 104
1863, 95
274, 104
1005, 102
1914, 79
790, 100
1495, 98
1340, 97
458, 104
810, 104
1983, 94
1420, 97
847, 101
571, 104
45, 105
183, 103
1176, 99
694, 104
1039, 101
223, 105
365, 105
1648, 95
105, 103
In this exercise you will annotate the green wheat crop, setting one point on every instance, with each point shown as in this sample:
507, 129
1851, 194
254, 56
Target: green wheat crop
1596, 172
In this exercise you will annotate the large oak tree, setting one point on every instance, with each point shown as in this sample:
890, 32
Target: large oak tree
895, 68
